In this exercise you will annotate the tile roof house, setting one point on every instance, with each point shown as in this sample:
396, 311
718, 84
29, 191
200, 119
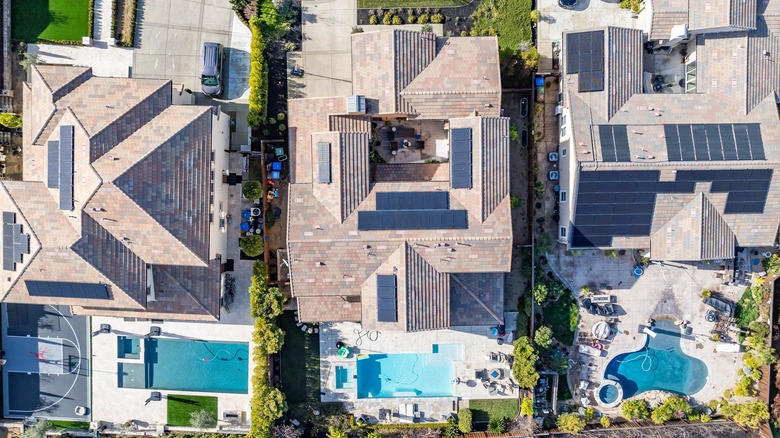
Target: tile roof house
403, 246
116, 212
671, 143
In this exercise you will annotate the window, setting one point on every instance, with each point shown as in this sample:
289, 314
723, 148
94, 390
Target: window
563, 120
563, 152
563, 131
563, 196
563, 232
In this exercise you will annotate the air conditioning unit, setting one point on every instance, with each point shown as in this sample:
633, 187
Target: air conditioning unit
558, 110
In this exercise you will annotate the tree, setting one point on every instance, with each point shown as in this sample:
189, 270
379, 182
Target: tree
203, 419
771, 264
267, 336
747, 414
38, 430
571, 423
465, 420
252, 190
266, 302
286, 431
530, 58
334, 432
524, 366
11, 120
252, 245
268, 405
759, 329
763, 355
634, 409
527, 407
543, 337
540, 293
498, 425
606, 423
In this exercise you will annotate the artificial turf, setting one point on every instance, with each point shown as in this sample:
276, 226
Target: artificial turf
300, 365
49, 20
485, 410
181, 406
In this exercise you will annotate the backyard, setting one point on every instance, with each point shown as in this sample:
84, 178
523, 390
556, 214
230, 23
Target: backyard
485, 410
50, 20
180, 408
300, 366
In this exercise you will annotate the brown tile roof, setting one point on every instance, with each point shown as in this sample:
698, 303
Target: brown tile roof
427, 294
696, 232
327, 308
62, 79
663, 22
410, 172
486, 289
714, 14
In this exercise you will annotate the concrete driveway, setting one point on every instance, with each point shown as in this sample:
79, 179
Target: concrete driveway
586, 15
169, 43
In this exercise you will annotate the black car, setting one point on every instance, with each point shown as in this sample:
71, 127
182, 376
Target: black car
567, 4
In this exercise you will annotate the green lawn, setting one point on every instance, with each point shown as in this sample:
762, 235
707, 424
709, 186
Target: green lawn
484, 410
410, 4
562, 317
300, 357
63, 20
181, 406
510, 19
59, 425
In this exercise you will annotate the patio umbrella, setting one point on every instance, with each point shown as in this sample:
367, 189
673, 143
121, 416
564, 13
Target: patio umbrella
601, 330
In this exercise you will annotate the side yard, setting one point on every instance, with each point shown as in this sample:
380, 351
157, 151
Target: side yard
123, 24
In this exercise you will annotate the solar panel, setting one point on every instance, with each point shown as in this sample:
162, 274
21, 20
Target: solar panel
460, 158
672, 143
585, 56
412, 200
8, 246
714, 143
700, 143
386, 298
66, 167
59, 289
709, 142
53, 165
412, 220
743, 143
323, 163
756, 142
727, 139
621, 143
607, 143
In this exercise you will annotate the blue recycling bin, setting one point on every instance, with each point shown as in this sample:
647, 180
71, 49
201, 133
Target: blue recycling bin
539, 81
276, 165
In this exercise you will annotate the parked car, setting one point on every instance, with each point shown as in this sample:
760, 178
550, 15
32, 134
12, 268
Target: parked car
567, 4
211, 70
524, 107
524, 137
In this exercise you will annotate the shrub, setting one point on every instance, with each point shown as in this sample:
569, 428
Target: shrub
334, 432
759, 329
268, 404
543, 337
280, 117
465, 418
540, 293
397, 20
267, 336
527, 407
357, 29
513, 134
373, 20
747, 414
252, 245
498, 425
11, 120
388, 18
744, 387
589, 413
771, 264
523, 368
411, 19
282, 127
266, 303
202, 419
606, 423
706, 293
571, 423
704, 418
252, 190
423, 19
437, 18
535, 15
634, 409
514, 201
258, 78
271, 121
38, 430
426, 28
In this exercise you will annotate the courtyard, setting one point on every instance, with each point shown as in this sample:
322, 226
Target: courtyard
664, 296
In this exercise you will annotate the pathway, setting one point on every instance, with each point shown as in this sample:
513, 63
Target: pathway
103, 15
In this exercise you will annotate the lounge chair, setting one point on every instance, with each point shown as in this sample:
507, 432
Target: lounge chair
481, 375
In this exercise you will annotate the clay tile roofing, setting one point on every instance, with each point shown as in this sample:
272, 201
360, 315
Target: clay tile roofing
428, 294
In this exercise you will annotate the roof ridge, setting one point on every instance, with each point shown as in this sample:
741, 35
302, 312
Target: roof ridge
473, 295
46, 124
186, 291
124, 113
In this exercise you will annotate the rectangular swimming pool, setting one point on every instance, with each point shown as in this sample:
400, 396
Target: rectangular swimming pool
189, 366
408, 375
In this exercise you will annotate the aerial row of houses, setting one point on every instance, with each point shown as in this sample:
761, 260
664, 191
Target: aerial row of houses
668, 142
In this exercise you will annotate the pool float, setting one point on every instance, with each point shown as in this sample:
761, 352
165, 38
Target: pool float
343, 351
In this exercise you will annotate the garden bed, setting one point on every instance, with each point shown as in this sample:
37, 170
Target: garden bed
123, 25
53, 21
456, 17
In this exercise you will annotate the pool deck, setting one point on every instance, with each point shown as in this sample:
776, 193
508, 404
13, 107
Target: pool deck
476, 344
670, 290
119, 405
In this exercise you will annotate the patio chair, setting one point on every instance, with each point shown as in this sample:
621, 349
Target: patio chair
481, 375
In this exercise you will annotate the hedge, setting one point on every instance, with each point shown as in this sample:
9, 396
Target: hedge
258, 78
91, 19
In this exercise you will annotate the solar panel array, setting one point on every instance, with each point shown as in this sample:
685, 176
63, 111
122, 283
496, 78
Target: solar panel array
323, 160
412, 220
622, 203
15, 243
412, 200
386, 298
59, 289
460, 158
710, 142
614, 143
585, 56
53, 168
66, 167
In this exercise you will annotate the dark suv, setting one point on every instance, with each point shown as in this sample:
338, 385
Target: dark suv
211, 71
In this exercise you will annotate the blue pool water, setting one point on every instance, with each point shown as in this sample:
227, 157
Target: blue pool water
344, 377
660, 365
408, 375
191, 366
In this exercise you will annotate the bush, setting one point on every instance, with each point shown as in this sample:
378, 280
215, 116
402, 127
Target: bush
437, 18
523, 368
706, 293
266, 303
513, 134
530, 58
423, 19
202, 419
411, 19
281, 116
387, 19
258, 78
535, 15
334, 432
271, 121
540, 293
543, 337
252, 190
771, 264
759, 329
357, 29
282, 127
514, 201
744, 387
747, 414
252, 245
373, 20
426, 28
11, 120
498, 425
527, 407
704, 418
465, 418
397, 20
38, 430
605, 422
571, 423
267, 336
634, 409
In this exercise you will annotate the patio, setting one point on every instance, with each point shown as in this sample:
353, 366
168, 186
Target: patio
413, 141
